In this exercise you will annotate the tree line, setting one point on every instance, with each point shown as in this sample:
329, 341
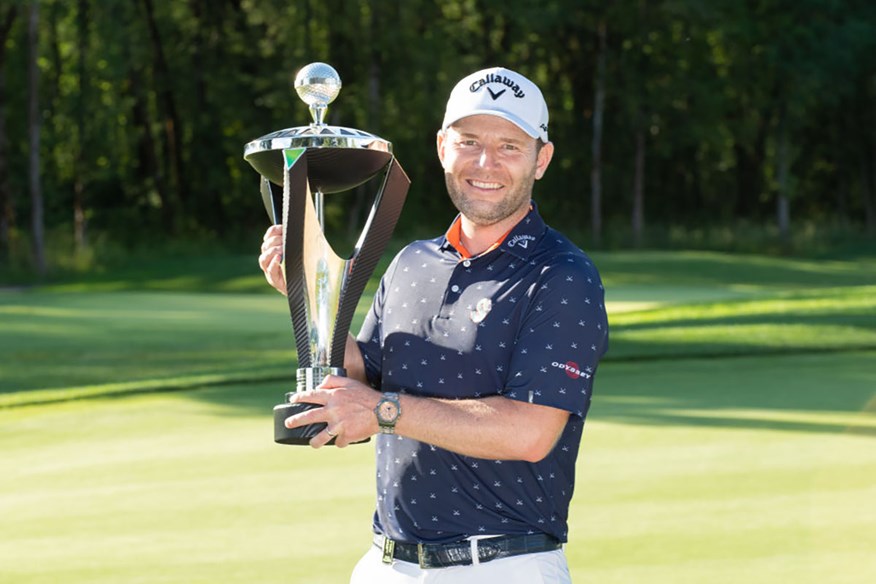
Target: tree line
122, 122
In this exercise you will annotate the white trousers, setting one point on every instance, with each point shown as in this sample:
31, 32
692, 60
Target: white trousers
540, 568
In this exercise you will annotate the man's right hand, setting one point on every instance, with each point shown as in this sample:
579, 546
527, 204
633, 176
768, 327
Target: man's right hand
271, 258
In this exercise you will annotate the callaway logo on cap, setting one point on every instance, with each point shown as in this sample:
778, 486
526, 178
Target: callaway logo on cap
503, 93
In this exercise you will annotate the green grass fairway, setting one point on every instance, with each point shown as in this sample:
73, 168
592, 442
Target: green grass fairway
179, 487
732, 436
74, 341
773, 480
731, 470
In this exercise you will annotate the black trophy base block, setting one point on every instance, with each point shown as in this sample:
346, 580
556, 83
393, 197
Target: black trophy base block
302, 434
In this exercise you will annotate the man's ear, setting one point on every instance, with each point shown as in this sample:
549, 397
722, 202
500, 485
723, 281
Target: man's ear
543, 159
440, 140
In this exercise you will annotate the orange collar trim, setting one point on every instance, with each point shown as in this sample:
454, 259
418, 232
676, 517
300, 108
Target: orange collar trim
454, 238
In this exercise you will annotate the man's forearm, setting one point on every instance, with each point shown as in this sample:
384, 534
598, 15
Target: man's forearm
354, 363
495, 428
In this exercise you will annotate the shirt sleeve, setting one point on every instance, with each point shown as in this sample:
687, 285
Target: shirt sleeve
370, 338
562, 337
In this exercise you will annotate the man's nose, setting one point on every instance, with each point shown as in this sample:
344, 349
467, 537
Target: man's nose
487, 158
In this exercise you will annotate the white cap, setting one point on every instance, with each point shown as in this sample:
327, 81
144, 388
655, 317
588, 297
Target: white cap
503, 93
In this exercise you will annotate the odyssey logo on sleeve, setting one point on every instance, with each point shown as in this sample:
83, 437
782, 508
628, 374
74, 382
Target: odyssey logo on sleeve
571, 369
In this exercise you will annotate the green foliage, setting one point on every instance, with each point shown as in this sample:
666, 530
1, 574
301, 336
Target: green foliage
146, 107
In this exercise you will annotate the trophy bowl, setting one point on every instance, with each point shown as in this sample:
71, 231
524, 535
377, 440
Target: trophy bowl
339, 158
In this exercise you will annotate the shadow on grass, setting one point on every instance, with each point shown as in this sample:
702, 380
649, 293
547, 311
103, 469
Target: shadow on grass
756, 365
842, 320
710, 268
863, 319
236, 352
824, 392
862, 429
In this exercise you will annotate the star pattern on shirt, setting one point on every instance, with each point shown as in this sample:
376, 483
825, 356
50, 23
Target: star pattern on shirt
528, 347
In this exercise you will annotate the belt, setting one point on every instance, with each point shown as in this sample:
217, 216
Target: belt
459, 553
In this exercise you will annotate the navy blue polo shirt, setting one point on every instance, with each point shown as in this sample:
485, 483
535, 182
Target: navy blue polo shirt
526, 321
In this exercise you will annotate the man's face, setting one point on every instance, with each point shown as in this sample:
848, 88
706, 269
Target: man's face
490, 166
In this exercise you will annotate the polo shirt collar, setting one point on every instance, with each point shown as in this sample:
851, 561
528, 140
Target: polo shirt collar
520, 241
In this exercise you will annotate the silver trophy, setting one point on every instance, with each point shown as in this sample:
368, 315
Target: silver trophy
299, 166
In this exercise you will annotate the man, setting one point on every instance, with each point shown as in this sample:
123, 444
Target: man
475, 363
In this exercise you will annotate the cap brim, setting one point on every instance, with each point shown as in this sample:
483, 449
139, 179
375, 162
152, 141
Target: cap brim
532, 132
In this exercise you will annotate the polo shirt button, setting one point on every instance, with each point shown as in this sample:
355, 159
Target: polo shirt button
454, 288
466, 263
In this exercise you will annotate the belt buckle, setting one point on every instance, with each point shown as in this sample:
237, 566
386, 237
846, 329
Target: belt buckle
486, 550
421, 556
388, 550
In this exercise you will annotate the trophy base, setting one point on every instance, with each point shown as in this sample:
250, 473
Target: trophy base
298, 436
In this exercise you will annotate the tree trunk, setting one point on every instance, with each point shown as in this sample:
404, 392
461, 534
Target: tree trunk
749, 171
783, 212
355, 215
148, 170
79, 227
596, 150
206, 134
6, 208
7, 217
36, 195
172, 127
869, 186
868, 183
638, 219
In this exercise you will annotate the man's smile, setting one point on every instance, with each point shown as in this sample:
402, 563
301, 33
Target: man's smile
490, 186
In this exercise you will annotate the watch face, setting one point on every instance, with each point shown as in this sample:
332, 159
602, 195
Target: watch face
388, 411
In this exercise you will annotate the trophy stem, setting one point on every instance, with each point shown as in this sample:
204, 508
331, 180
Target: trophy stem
317, 112
319, 206
310, 378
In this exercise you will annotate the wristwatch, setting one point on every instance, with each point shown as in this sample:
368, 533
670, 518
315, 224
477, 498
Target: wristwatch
388, 411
